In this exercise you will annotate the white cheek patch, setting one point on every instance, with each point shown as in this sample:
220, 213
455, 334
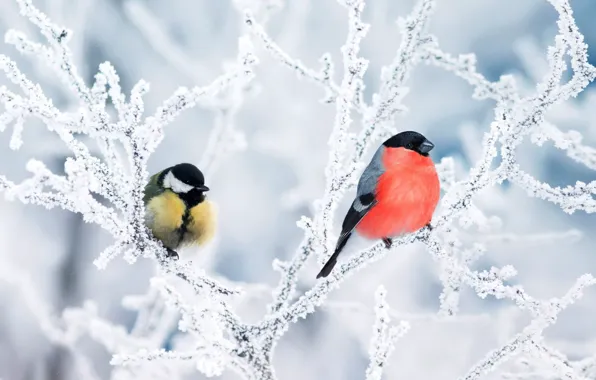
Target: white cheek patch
177, 186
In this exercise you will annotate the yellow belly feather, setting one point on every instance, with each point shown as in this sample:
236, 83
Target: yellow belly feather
167, 210
202, 222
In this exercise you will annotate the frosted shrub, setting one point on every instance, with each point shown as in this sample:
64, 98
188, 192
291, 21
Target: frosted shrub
215, 337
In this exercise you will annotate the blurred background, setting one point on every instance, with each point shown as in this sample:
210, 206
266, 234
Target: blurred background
262, 190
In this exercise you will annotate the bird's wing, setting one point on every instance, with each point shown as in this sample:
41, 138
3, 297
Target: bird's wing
365, 198
367, 184
364, 202
360, 207
151, 189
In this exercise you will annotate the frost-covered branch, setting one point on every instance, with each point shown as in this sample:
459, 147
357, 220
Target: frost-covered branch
323, 77
525, 340
387, 104
213, 335
516, 118
224, 137
570, 142
456, 202
384, 336
64, 332
87, 174
349, 308
377, 123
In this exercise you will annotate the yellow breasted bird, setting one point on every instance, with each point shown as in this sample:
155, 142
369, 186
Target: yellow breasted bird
176, 208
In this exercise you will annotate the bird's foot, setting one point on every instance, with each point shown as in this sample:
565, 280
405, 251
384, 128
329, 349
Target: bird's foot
387, 242
430, 227
172, 254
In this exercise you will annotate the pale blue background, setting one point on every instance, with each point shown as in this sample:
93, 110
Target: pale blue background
56, 249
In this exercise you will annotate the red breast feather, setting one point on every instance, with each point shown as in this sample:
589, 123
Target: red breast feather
407, 195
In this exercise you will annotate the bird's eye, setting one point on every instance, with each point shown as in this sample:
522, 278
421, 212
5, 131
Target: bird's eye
409, 146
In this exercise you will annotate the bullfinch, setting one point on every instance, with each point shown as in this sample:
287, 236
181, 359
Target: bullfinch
397, 193
176, 208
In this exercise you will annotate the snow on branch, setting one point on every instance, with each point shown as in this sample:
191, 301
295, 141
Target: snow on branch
207, 324
121, 181
86, 174
525, 340
214, 336
384, 336
224, 138
59, 331
516, 117
323, 77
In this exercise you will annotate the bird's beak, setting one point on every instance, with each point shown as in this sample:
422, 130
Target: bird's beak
426, 147
202, 188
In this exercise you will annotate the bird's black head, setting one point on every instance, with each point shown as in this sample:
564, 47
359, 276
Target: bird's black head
183, 178
190, 175
187, 181
410, 140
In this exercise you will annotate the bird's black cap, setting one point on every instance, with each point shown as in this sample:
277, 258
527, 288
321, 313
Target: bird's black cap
190, 175
410, 140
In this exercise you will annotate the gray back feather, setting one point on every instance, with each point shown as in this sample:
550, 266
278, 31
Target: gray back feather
371, 174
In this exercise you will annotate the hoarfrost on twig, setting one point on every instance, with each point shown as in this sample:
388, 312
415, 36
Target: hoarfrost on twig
216, 338
384, 336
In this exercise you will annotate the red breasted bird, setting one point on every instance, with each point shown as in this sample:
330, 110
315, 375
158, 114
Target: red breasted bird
397, 193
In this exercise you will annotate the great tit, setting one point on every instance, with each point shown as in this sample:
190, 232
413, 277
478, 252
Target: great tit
176, 209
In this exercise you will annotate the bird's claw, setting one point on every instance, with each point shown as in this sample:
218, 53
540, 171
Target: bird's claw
430, 227
387, 242
172, 254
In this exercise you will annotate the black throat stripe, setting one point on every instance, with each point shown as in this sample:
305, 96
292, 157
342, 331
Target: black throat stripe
190, 199
184, 226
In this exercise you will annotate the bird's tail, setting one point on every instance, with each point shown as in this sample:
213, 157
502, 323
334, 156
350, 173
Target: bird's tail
328, 267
